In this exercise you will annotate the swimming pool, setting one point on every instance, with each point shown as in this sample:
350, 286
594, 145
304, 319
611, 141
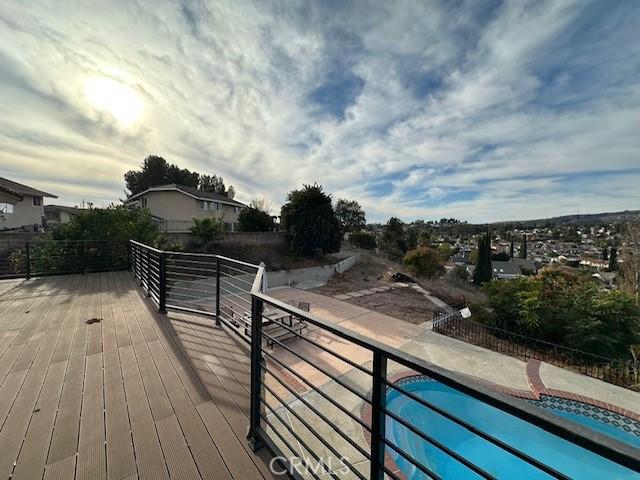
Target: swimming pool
564, 456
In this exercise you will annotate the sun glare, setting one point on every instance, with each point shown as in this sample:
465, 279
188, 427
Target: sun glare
113, 97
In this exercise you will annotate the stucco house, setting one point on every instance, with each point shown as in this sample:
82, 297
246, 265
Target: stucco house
175, 206
57, 214
21, 206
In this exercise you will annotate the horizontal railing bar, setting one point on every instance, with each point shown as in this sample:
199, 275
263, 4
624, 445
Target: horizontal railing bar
310, 469
321, 347
318, 391
349, 388
414, 462
299, 439
312, 430
323, 417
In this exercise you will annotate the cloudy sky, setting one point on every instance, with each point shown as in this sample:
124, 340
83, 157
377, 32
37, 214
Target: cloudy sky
420, 109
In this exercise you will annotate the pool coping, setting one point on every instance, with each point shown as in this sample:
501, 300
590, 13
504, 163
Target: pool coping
536, 384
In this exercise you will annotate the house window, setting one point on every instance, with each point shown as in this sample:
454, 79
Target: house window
6, 208
37, 201
236, 209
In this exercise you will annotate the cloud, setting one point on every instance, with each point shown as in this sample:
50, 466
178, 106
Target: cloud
477, 110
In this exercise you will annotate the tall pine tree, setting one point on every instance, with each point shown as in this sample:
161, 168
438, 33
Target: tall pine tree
523, 247
511, 248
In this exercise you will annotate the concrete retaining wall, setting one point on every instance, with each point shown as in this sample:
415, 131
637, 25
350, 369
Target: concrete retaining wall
308, 277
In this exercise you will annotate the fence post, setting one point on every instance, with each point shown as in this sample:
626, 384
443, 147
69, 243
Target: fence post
28, 259
378, 416
218, 292
256, 374
83, 264
162, 288
147, 272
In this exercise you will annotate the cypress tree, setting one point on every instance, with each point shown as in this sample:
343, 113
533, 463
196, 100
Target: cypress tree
483, 271
523, 247
613, 259
511, 248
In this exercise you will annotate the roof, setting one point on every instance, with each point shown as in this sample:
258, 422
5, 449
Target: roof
505, 268
192, 192
19, 189
65, 208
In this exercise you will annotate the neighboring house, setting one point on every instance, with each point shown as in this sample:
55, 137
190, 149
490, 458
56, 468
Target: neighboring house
176, 206
513, 268
21, 206
57, 214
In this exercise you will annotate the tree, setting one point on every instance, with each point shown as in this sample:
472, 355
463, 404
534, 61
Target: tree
511, 249
523, 247
424, 262
629, 276
364, 240
206, 229
613, 259
155, 171
310, 221
445, 251
252, 219
483, 271
350, 215
393, 239
212, 183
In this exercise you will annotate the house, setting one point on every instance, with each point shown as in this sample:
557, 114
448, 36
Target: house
21, 206
513, 268
57, 214
175, 206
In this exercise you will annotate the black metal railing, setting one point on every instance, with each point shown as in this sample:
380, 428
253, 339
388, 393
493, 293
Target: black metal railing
319, 399
43, 257
624, 373
201, 283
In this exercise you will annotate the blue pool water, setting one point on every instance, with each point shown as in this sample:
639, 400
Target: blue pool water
564, 456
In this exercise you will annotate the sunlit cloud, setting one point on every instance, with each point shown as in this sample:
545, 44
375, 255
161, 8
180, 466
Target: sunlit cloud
476, 110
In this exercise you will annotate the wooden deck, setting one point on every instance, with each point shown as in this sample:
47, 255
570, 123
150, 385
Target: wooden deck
135, 395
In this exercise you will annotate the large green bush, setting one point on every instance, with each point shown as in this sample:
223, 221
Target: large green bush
252, 219
569, 309
424, 262
366, 240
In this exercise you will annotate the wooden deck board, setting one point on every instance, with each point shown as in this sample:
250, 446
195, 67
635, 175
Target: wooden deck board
135, 395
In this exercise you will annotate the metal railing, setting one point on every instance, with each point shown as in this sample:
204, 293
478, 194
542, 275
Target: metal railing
624, 373
315, 398
44, 257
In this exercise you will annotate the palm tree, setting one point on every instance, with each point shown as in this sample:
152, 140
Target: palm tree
206, 229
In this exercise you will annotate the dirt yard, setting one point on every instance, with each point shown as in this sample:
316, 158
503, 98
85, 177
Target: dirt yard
402, 303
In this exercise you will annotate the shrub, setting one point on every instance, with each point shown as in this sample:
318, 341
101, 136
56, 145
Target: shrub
255, 220
461, 272
364, 240
206, 229
424, 262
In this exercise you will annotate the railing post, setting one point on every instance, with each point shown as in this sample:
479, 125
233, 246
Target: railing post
129, 256
162, 288
378, 417
256, 373
147, 272
27, 251
218, 292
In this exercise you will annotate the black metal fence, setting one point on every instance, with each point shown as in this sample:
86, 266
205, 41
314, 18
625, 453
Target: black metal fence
42, 257
319, 399
618, 372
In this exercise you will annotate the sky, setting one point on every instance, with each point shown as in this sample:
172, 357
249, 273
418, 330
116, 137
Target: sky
478, 110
